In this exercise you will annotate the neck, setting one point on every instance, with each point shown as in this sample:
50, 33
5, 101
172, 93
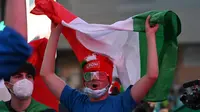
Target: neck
99, 99
20, 105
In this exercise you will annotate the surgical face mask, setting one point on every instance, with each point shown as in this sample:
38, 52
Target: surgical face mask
95, 93
23, 89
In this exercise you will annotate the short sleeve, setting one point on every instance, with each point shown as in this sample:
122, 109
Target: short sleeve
127, 100
69, 96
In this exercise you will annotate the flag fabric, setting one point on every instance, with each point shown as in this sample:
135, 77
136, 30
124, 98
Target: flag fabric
14, 51
41, 92
124, 42
36, 58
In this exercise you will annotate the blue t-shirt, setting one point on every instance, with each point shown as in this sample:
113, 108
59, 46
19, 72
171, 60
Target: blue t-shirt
76, 101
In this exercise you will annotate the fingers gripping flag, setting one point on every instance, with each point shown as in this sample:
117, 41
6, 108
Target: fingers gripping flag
124, 42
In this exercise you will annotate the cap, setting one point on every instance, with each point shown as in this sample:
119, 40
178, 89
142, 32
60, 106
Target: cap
98, 62
28, 68
14, 51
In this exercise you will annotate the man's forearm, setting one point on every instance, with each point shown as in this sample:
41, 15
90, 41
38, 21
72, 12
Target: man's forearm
48, 64
147, 81
15, 16
152, 64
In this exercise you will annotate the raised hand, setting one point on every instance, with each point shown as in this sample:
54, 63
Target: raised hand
56, 29
150, 30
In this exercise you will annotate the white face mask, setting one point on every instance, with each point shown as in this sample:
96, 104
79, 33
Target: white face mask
95, 93
23, 89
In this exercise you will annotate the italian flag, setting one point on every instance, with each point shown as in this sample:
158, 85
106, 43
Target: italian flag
123, 41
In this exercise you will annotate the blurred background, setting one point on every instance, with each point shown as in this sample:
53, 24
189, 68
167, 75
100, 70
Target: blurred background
110, 11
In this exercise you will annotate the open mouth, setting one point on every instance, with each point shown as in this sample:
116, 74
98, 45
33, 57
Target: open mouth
94, 85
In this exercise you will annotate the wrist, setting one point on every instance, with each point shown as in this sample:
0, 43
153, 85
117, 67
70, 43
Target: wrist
150, 35
151, 40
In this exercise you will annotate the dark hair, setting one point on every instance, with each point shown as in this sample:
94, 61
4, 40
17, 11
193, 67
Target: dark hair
27, 68
115, 91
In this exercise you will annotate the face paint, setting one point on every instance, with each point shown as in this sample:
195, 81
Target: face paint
89, 76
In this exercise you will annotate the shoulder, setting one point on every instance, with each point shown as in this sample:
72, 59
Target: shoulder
3, 106
2, 103
127, 92
126, 99
72, 98
70, 93
35, 105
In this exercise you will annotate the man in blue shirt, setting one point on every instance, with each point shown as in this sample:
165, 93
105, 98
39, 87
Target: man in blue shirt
97, 79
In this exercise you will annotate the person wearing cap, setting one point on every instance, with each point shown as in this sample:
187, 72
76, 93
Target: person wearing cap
115, 87
17, 73
20, 86
97, 79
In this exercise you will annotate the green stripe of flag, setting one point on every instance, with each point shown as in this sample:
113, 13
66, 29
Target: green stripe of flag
167, 48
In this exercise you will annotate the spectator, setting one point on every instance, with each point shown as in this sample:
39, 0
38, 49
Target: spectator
97, 81
21, 87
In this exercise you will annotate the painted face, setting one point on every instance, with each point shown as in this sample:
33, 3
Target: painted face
96, 80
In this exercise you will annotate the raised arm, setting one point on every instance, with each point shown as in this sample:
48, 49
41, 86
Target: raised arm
54, 83
15, 16
141, 88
